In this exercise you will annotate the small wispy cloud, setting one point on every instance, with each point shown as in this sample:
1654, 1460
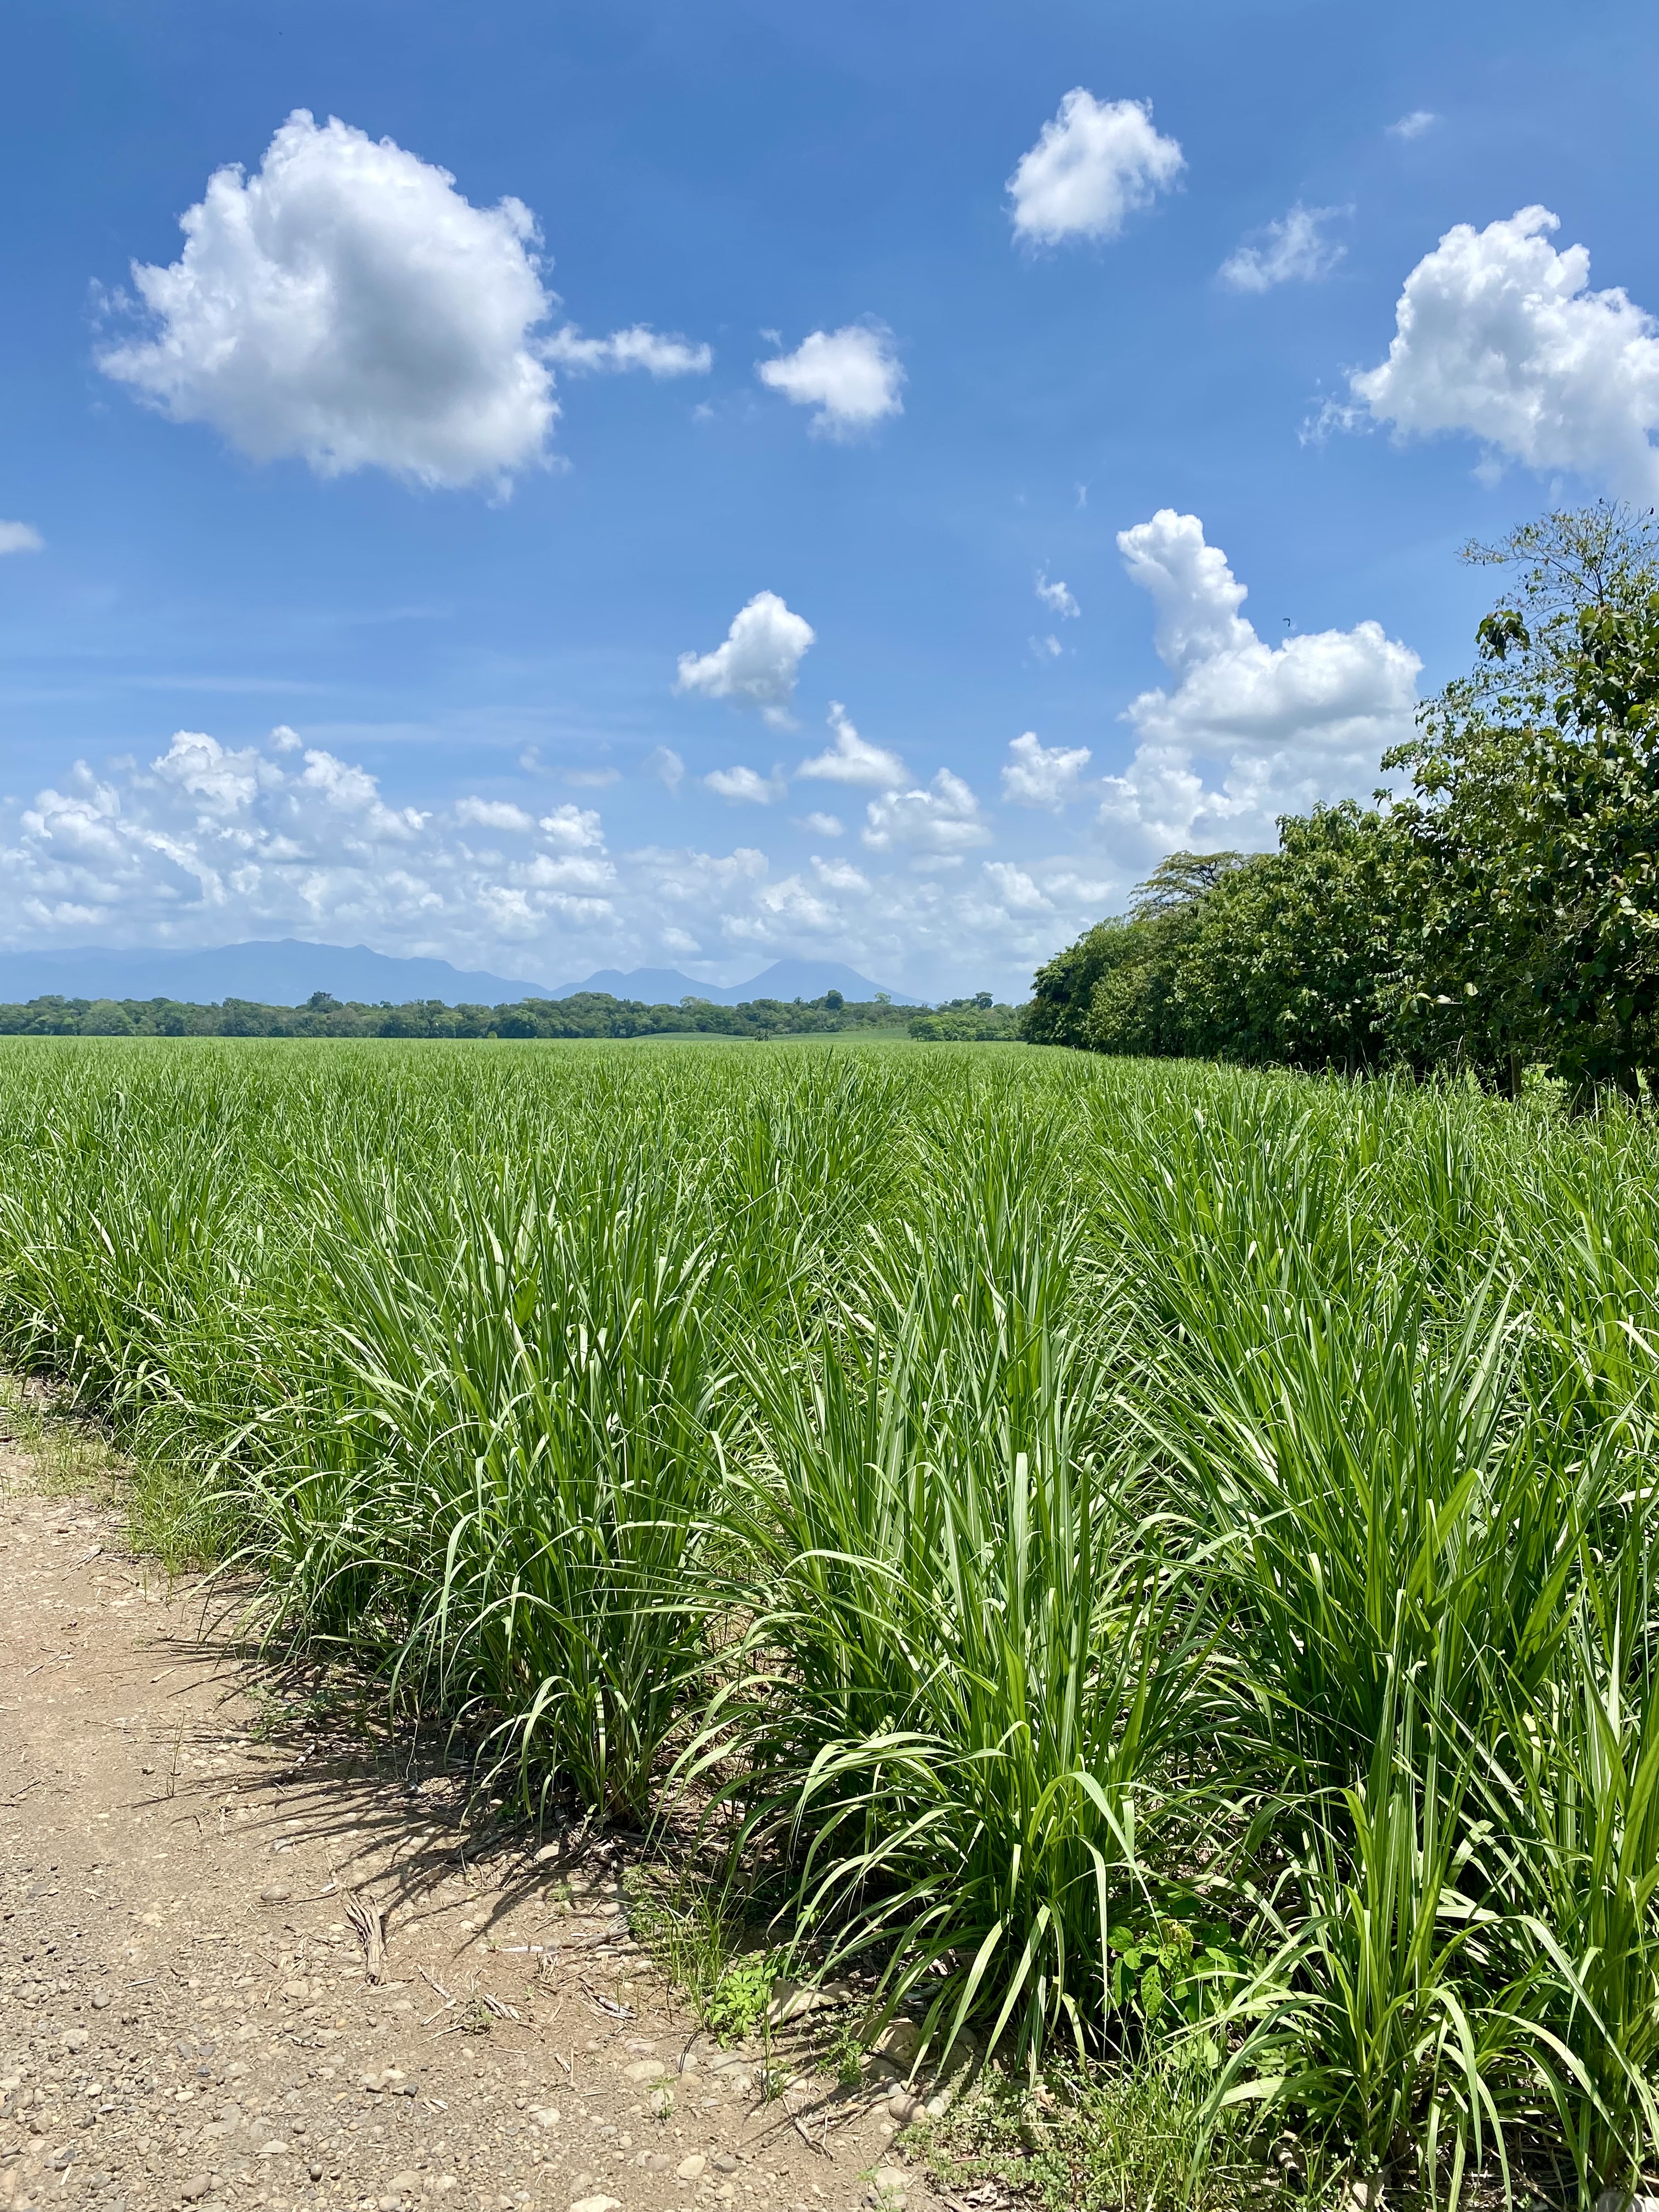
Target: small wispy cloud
1415, 124
639, 347
1056, 596
1332, 417
1293, 250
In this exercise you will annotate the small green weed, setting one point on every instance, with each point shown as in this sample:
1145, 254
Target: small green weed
692, 1930
736, 2006
844, 2054
771, 2080
1179, 1976
1126, 2138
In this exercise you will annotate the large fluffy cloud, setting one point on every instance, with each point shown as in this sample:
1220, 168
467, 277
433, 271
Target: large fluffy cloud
851, 376
1498, 335
1096, 162
758, 662
1036, 775
347, 304
1287, 726
854, 759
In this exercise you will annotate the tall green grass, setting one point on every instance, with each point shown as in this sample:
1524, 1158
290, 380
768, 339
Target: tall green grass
1144, 1564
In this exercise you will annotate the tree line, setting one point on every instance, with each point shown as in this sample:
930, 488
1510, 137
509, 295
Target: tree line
588, 1014
1495, 911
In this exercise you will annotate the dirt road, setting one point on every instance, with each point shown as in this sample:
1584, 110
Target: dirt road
193, 1878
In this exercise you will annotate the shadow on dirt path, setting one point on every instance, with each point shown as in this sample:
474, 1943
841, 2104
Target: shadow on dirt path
194, 1872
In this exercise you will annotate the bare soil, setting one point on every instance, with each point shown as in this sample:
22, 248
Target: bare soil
194, 1865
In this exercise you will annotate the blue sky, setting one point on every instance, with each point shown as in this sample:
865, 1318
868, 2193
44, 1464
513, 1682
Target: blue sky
310, 481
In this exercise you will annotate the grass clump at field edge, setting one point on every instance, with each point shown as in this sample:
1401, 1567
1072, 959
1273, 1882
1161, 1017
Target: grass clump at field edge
1153, 1561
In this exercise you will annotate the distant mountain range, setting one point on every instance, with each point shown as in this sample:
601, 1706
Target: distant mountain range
281, 973
784, 979
284, 972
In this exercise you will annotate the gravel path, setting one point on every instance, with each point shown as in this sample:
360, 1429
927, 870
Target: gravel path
193, 1879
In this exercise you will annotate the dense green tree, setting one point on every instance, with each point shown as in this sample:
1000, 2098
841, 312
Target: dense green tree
1135, 1004
1532, 837
1062, 990
1289, 957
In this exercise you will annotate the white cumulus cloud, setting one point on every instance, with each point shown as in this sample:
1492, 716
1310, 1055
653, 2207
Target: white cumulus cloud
20, 537
1056, 597
1287, 725
1018, 890
637, 347
1036, 775
494, 814
1498, 335
584, 871
576, 828
944, 820
746, 784
792, 907
1294, 249
852, 376
1415, 124
839, 875
346, 304
757, 664
1096, 163
821, 825
854, 759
